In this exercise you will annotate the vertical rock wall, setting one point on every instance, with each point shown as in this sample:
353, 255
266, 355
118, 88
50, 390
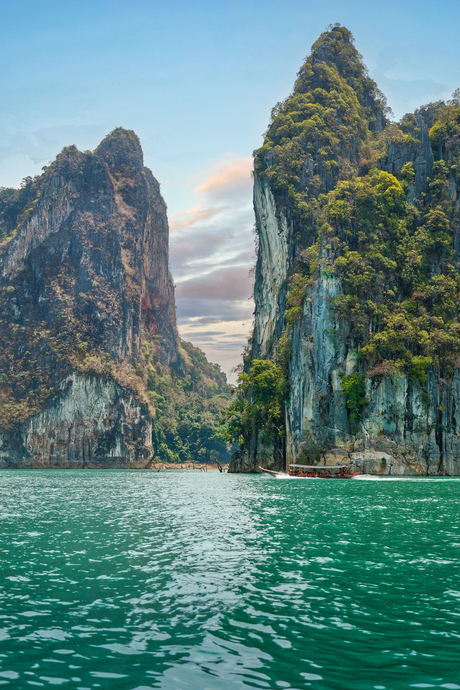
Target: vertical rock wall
86, 300
406, 430
95, 423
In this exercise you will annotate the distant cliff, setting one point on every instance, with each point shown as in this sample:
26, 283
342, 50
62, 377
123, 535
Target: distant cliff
357, 285
92, 371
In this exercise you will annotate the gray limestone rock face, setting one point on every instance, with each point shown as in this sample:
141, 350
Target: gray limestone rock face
273, 261
405, 430
418, 153
85, 293
95, 423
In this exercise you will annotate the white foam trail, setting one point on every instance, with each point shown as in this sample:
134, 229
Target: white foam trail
374, 478
289, 476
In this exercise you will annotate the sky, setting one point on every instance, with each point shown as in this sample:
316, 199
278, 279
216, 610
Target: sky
196, 80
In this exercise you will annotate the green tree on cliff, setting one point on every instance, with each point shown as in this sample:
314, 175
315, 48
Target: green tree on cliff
258, 407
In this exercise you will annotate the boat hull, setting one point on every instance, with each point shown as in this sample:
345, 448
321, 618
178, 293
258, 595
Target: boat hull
274, 474
322, 473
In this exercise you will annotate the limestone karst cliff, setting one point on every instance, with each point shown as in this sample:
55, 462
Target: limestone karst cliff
357, 279
92, 371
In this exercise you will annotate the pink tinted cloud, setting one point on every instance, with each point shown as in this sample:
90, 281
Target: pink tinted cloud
231, 283
228, 174
184, 219
212, 249
223, 310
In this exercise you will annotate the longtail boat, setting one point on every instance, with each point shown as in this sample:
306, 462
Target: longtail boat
275, 474
314, 472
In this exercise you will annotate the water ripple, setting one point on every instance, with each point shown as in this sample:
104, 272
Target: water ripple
140, 580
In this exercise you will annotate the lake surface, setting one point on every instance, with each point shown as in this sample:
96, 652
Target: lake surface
171, 580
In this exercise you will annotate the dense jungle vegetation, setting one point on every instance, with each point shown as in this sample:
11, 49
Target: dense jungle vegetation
391, 241
187, 408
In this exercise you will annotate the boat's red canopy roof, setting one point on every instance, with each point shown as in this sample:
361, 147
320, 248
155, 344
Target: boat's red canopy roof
319, 467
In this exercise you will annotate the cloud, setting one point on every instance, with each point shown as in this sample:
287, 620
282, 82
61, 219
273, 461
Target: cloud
204, 246
205, 321
232, 283
227, 175
211, 252
224, 344
407, 78
189, 309
184, 219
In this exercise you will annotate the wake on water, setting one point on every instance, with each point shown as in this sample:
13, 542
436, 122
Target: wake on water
374, 478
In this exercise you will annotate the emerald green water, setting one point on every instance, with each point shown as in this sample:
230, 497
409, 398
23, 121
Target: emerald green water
171, 580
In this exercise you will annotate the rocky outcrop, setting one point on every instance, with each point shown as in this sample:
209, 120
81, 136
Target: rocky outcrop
273, 260
95, 423
418, 153
409, 425
87, 312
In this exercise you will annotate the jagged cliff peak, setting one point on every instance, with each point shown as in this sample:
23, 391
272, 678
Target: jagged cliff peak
91, 366
335, 50
122, 151
321, 132
103, 214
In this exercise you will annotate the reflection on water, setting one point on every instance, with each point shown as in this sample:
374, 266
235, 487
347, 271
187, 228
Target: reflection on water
172, 580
